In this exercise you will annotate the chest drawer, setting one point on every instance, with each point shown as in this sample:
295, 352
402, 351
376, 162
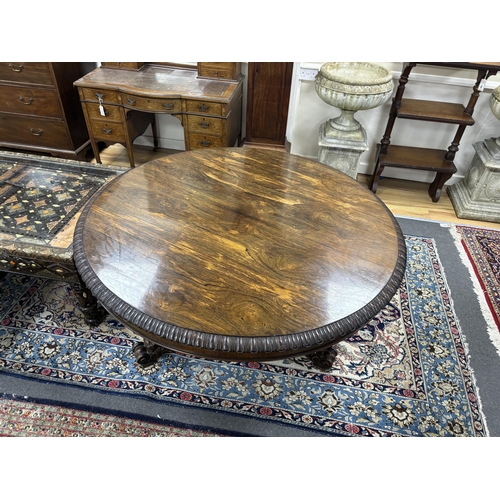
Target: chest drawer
113, 113
108, 130
147, 104
38, 72
34, 131
199, 141
106, 95
29, 101
209, 108
205, 124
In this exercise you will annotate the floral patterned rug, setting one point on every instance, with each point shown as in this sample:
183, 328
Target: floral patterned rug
31, 419
404, 374
481, 248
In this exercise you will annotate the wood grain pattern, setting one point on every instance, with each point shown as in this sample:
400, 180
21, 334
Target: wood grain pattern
239, 253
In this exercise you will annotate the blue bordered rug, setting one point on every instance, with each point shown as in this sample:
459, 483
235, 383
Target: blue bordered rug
404, 374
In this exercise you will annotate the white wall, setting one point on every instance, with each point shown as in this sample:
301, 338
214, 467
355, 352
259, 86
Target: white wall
308, 112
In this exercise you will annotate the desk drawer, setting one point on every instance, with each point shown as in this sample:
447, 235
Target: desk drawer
34, 131
38, 72
29, 101
113, 113
106, 95
205, 124
209, 108
147, 104
108, 131
199, 141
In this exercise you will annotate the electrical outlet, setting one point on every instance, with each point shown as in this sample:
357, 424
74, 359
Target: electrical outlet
307, 74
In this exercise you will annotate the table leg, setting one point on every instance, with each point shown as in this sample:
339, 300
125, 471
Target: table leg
147, 353
323, 360
88, 304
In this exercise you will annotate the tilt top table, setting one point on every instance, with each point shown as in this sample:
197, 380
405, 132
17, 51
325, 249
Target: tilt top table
239, 254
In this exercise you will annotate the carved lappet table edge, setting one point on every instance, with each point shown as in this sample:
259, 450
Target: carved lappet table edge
162, 337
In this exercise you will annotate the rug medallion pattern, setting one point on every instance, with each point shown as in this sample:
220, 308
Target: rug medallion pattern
404, 374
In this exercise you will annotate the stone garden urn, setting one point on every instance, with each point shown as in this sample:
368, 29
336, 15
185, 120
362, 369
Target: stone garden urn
351, 87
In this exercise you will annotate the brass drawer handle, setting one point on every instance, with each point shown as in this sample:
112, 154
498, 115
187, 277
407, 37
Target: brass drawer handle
205, 143
18, 69
168, 105
204, 125
131, 102
107, 131
28, 102
203, 107
32, 130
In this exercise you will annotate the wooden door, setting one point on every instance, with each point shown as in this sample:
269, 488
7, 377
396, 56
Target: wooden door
268, 96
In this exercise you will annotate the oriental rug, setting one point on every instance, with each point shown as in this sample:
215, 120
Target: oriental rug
406, 373
480, 248
21, 418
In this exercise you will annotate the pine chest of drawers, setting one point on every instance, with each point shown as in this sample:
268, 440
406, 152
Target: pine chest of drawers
40, 109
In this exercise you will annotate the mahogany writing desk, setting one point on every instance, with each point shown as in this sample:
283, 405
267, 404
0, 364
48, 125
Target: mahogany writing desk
239, 254
119, 104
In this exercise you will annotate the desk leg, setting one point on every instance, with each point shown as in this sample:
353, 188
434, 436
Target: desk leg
323, 360
146, 353
155, 133
88, 304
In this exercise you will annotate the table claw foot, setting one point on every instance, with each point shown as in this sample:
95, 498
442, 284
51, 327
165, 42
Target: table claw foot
146, 353
323, 360
92, 313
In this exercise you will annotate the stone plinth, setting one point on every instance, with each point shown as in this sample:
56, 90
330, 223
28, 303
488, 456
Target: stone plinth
341, 154
477, 196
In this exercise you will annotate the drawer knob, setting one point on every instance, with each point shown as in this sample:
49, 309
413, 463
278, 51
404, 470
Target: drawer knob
168, 105
17, 69
28, 102
204, 125
107, 131
205, 143
131, 102
39, 132
203, 107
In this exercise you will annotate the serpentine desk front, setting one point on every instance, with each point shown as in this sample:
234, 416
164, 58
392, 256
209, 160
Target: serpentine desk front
119, 105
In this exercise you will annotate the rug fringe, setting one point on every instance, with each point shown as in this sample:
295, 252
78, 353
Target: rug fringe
464, 339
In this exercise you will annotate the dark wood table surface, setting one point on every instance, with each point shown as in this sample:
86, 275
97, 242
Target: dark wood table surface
239, 254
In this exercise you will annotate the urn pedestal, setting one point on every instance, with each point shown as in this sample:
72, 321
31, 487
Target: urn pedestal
477, 196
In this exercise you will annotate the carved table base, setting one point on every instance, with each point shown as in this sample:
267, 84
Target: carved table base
147, 353
323, 360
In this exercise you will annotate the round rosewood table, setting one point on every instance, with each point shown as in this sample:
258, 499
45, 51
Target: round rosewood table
239, 254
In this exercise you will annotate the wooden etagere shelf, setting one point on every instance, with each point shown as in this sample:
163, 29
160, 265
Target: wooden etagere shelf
440, 161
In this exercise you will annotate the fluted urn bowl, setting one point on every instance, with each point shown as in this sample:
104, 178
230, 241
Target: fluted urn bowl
351, 87
495, 102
